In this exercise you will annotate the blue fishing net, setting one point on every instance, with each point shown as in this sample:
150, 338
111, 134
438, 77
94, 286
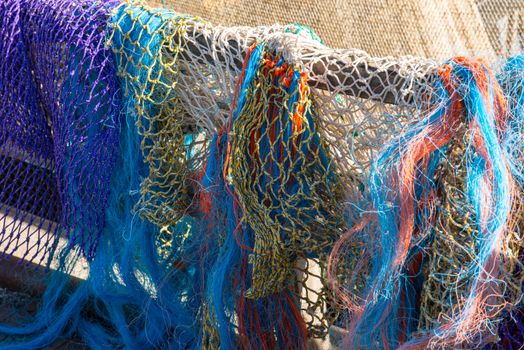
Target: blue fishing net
59, 129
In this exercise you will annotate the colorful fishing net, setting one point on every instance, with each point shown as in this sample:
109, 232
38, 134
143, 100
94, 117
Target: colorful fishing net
238, 187
59, 129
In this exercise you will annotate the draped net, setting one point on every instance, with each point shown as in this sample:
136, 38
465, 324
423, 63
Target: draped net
250, 187
58, 130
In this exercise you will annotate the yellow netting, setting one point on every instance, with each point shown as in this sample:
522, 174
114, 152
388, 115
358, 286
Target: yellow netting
166, 191
283, 177
450, 268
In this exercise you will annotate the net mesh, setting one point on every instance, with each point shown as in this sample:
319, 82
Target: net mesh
165, 192
58, 131
270, 190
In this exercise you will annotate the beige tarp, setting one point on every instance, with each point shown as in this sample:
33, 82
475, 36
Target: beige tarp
435, 29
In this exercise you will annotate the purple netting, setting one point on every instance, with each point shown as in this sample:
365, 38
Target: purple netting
58, 124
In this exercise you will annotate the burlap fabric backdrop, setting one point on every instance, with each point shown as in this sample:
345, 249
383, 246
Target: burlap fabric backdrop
436, 29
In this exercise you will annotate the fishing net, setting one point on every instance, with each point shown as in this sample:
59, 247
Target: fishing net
58, 130
250, 187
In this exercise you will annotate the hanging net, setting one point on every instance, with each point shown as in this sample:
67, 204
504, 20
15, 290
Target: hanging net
250, 187
58, 132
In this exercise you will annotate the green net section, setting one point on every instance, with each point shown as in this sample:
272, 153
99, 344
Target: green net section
148, 59
450, 267
283, 176
453, 249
